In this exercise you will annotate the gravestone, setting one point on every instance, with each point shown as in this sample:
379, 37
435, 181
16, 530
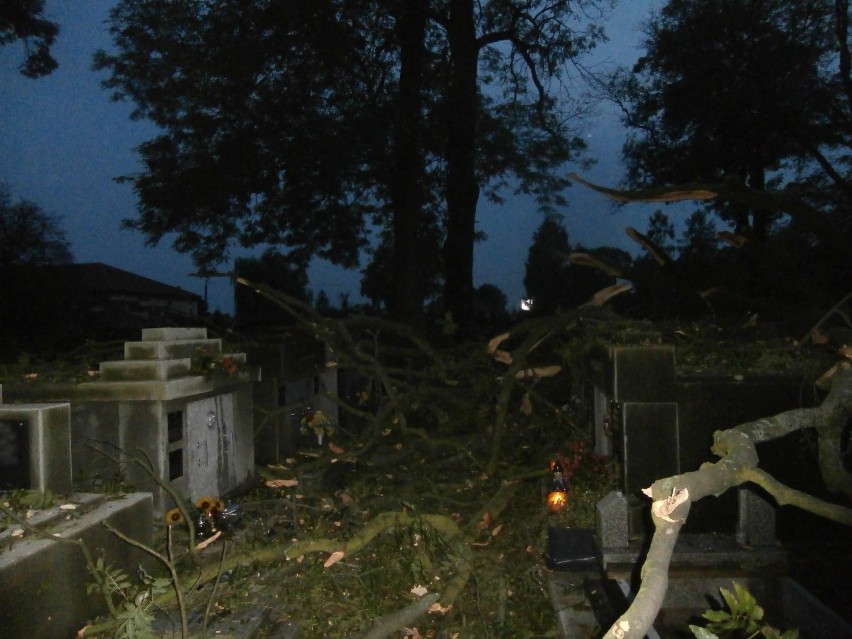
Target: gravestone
194, 426
35, 447
298, 375
611, 521
636, 415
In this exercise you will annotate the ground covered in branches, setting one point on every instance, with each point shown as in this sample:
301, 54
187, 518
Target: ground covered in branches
424, 517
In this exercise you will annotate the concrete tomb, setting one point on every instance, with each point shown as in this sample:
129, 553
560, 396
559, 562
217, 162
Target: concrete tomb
175, 401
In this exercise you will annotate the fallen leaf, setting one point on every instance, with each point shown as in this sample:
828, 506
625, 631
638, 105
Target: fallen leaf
526, 406
497, 530
733, 239
282, 483
485, 522
209, 541
17, 532
661, 194
333, 558
503, 357
419, 591
606, 294
337, 450
540, 371
411, 632
276, 467
494, 342
818, 337
846, 351
438, 609
825, 379
30, 513
67, 507
584, 259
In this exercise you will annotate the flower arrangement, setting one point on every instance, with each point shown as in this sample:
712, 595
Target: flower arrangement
210, 365
317, 422
211, 515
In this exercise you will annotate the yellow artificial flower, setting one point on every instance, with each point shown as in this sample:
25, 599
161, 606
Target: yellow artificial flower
207, 504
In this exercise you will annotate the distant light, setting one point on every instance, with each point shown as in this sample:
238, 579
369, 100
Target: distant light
527, 304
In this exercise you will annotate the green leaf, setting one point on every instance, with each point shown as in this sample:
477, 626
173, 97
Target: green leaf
716, 615
747, 604
702, 633
730, 600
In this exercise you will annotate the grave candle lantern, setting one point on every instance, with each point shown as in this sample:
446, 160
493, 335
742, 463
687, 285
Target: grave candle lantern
557, 498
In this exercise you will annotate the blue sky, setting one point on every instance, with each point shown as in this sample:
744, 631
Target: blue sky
63, 141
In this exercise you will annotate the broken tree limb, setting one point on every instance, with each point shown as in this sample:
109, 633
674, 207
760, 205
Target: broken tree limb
673, 496
390, 624
458, 539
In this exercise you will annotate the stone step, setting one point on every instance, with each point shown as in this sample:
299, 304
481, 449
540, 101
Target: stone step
142, 370
173, 349
170, 334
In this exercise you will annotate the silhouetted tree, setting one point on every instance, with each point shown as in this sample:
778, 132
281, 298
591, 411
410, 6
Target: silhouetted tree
29, 236
661, 231
297, 124
24, 20
545, 277
275, 270
489, 307
735, 89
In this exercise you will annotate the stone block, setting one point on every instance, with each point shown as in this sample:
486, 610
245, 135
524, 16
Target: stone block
611, 521
572, 549
42, 444
172, 349
756, 520
172, 333
43, 582
650, 447
642, 373
139, 370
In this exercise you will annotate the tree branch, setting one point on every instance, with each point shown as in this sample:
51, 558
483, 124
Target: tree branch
673, 496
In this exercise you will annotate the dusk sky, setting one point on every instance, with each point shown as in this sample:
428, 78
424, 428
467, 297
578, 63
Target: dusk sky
62, 142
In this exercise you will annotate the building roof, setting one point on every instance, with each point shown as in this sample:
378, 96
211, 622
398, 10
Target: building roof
95, 277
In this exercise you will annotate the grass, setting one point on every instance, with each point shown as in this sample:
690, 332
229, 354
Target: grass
505, 596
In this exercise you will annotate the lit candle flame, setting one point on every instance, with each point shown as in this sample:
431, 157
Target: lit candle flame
557, 500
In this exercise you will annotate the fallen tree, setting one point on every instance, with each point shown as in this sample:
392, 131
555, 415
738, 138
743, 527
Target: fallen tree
673, 496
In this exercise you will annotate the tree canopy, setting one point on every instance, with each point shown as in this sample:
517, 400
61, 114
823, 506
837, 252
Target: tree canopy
28, 235
313, 125
24, 20
732, 89
544, 277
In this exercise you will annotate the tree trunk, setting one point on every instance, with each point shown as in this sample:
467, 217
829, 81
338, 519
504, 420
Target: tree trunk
462, 187
406, 298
